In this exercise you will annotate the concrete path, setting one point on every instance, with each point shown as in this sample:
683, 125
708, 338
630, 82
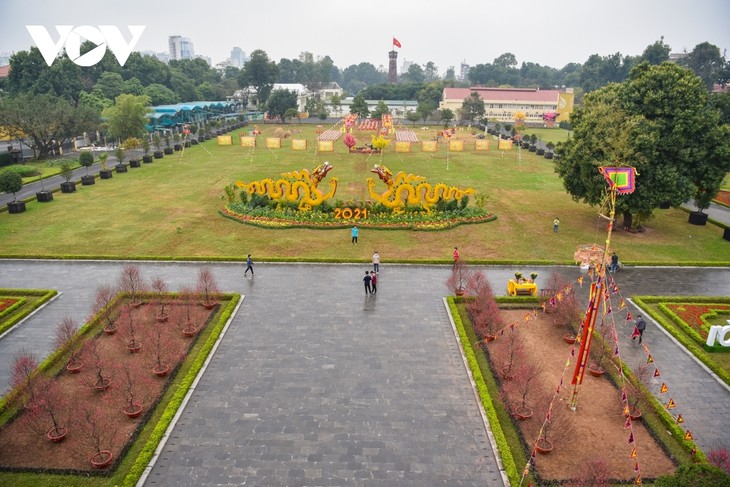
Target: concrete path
317, 384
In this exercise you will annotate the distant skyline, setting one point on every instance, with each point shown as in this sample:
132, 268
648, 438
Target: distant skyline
547, 32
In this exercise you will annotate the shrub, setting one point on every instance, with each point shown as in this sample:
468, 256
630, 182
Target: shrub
67, 171
698, 475
24, 171
86, 159
10, 182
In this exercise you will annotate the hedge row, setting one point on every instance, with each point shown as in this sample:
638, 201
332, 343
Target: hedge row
45, 295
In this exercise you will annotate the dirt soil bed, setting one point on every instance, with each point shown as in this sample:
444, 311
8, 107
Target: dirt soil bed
81, 408
596, 431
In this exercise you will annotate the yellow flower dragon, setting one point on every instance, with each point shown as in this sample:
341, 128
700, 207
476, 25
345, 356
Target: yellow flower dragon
298, 186
411, 189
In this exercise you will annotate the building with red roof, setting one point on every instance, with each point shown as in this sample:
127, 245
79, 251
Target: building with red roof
502, 104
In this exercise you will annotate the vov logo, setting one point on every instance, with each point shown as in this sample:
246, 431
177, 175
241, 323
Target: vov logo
71, 38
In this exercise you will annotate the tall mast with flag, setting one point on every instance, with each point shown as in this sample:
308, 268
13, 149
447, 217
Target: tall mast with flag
396, 42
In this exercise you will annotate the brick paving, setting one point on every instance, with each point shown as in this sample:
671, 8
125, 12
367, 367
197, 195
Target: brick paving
317, 384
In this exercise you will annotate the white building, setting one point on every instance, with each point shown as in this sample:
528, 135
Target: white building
238, 57
180, 48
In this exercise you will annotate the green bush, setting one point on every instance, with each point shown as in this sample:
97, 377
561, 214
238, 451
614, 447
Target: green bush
699, 475
10, 181
86, 159
24, 171
6, 158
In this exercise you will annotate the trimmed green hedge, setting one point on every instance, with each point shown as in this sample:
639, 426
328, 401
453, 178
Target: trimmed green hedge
45, 295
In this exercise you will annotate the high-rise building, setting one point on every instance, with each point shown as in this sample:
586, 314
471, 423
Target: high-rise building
405, 65
238, 57
464, 72
181, 48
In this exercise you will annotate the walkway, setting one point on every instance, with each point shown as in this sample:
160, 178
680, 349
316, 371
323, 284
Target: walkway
316, 384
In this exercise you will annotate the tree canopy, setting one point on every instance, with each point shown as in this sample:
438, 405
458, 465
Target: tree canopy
280, 102
359, 106
473, 107
659, 121
260, 73
128, 116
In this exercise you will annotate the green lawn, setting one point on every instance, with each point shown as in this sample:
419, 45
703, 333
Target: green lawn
553, 135
169, 209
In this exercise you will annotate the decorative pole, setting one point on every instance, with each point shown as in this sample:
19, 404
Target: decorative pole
620, 181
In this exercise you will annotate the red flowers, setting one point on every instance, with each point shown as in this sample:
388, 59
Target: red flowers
693, 314
5, 303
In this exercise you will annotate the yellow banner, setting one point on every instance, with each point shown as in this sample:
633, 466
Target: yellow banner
481, 144
505, 144
429, 146
456, 145
225, 140
565, 106
248, 141
273, 142
299, 144
402, 146
326, 145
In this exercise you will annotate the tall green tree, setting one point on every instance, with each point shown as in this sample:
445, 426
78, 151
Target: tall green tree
660, 122
706, 62
414, 74
380, 110
473, 107
656, 53
359, 106
280, 102
45, 120
261, 74
128, 116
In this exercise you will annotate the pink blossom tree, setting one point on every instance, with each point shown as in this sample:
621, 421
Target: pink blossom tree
131, 282
207, 287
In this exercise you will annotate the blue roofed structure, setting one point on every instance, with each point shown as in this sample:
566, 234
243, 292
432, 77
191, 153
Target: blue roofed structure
167, 116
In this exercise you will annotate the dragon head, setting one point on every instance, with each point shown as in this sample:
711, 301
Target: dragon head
320, 172
383, 173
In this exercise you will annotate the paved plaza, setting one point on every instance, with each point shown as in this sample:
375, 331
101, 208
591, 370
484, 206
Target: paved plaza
315, 383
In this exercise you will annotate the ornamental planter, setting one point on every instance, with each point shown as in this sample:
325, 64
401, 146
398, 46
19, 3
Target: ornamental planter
110, 330
209, 305
569, 338
121, 168
523, 413
132, 410
102, 459
177, 147
74, 368
187, 143
68, 187
190, 330
168, 151
158, 154
88, 180
540, 152
596, 370
665, 205
161, 370
16, 207
194, 142
57, 435
698, 218
544, 446
134, 346
106, 174
161, 318
103, 384
726, 234
44, 196
548, 155
635, 414
532, 148
134, 163
146, 159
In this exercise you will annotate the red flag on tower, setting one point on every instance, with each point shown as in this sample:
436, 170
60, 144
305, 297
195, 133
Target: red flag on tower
396, 43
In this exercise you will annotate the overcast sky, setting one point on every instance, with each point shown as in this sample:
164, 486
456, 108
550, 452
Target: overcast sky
547, 32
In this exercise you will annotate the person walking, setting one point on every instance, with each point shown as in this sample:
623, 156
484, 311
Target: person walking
639, 329
249, 266
556, 224
374, 283
354, 235
456, 257
614, 263
367, 280
376, 262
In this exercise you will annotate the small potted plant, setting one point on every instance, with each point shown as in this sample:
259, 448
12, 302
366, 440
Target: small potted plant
44, 195
460, 274
105, 172
146, 158
518, 277
176, 146
195, 134
67, 173
533, 276
157, 141
119, 154
12, 182
168, 147
549, 153
130, 145
86, 159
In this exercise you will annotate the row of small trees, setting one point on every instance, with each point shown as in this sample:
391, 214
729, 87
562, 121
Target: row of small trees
118, 368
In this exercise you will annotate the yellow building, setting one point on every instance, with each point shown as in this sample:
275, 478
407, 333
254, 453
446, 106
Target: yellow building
503, 103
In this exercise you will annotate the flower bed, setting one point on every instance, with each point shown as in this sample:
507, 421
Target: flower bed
695, 315
288, 218
6, 303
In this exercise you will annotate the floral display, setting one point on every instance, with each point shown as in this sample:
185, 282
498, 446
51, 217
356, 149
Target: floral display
695, 315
